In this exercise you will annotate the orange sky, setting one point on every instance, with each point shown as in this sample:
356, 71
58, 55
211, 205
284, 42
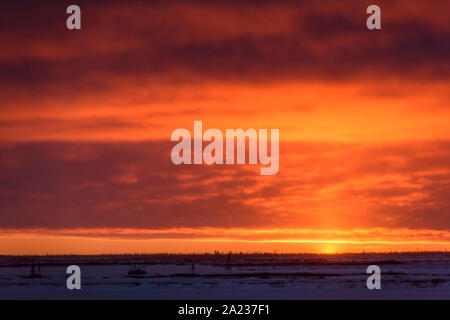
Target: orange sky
86, 118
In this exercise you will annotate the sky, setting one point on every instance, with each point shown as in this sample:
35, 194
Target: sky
86, 118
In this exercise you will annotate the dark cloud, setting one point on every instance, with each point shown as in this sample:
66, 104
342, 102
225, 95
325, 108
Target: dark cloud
117, 185
135, 185
183, 42
68, 125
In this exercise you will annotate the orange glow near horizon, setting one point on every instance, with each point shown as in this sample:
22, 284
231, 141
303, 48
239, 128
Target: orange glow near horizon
41, 242
44, 245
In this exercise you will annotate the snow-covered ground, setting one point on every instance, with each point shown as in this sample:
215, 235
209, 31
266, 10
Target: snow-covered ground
270, 276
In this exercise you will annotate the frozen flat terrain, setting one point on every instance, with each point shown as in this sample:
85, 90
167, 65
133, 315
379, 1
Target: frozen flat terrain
239, 276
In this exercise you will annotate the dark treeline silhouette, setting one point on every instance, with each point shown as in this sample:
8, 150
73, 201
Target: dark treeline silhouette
227, 259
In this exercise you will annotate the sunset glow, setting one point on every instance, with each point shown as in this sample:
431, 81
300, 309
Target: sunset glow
86, 119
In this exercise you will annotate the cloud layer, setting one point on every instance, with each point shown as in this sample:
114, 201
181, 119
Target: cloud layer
86, 118
135, 185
